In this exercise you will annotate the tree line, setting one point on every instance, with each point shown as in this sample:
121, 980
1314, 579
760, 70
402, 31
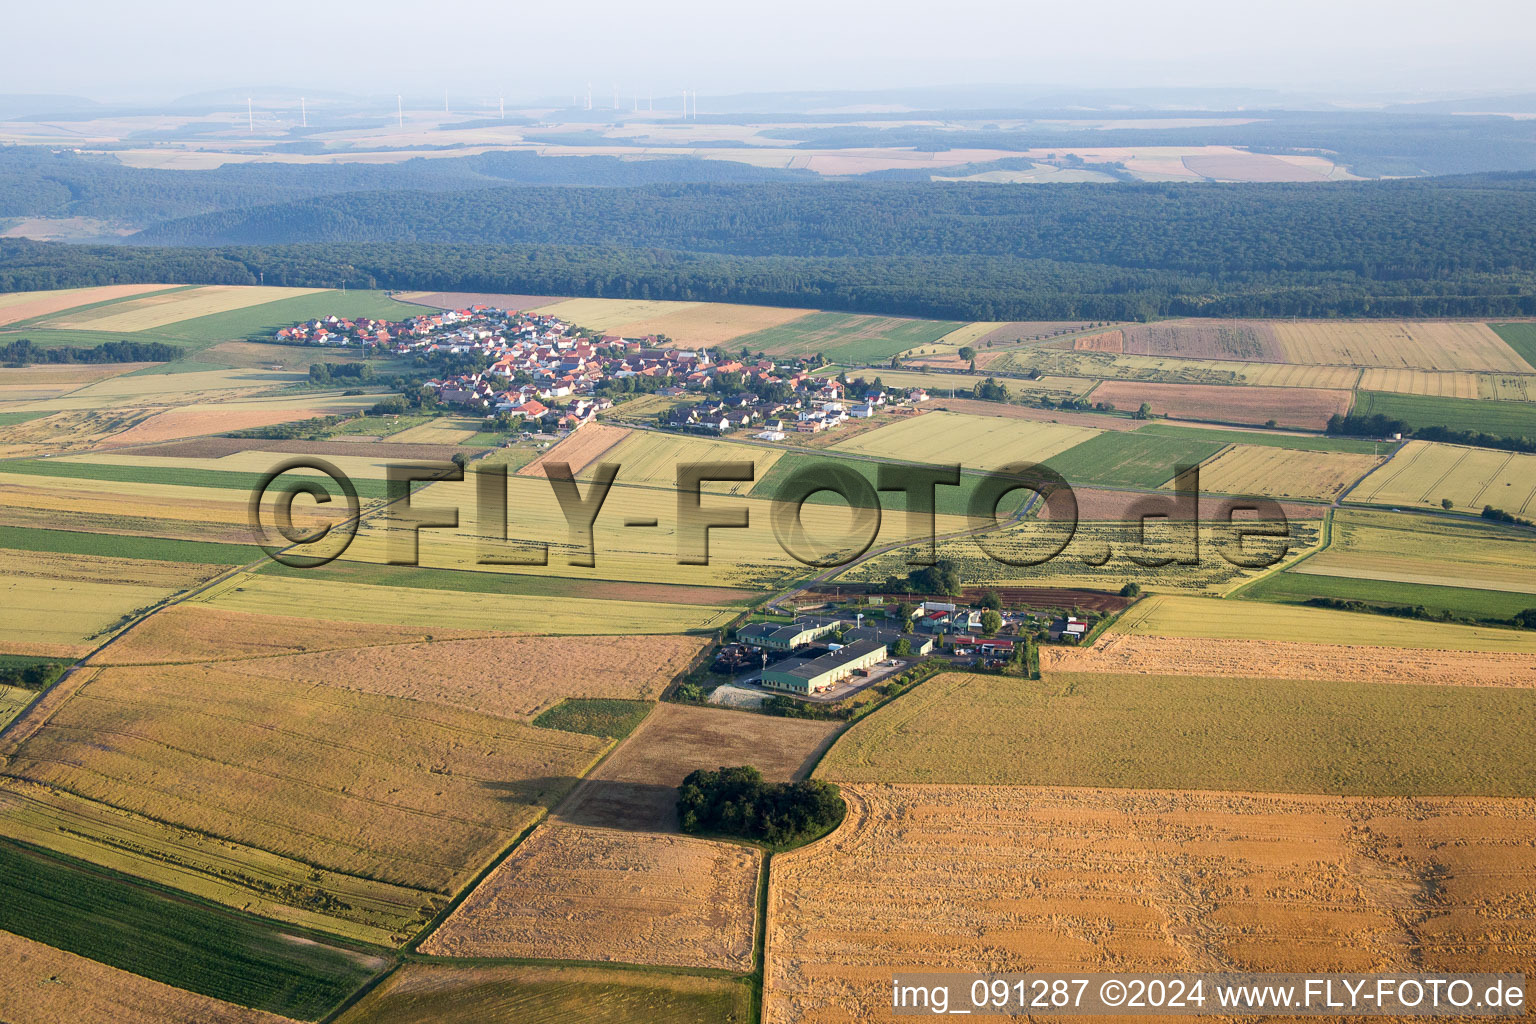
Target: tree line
940, 287
23, 352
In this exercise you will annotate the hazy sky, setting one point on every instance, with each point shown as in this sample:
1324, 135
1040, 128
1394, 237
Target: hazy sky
108, 50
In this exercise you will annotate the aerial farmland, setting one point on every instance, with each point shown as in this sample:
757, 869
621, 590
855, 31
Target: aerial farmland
719, 556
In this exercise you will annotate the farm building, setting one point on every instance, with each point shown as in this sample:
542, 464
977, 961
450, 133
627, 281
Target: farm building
988, 645
778, 637
813, 675
1071, 629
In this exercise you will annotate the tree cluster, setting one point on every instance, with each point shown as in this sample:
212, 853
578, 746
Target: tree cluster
22, 352
737, 802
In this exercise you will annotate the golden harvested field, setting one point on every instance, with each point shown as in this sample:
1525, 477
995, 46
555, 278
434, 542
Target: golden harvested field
1267, 659
174, 389
1426, 382
582, 447
1369, 545
1240, 166
166, 502
122, 525
611, 314
1304, 408
462, 300
974, 441
650, 459
1425, 473
1116, 506
133, 572
1208, 619
1283, 472
1204, 339
360, 461
40, 610
66, 431
186, 633
707, 324
213, 868
18, 306
197, 420
173, 307
445, 609
747, 558
72, 374
570, 893
636, 787
451, 430
1175, 369
1099, 555
1506, 387
515, 677
399, 791
13, 700
442, 993
940, 384
955, 878
43, 985
1437, 345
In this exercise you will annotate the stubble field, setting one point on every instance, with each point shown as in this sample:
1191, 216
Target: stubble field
847, 336
1200, 339
399, 791
974, 441
934, 878
1202, 618
583, 447
1187, 732
1303, 408
1283, 473
1437, 345
636, 787
1426, 473
18, 306
1117, 653
569, 893
170, 307
514, 677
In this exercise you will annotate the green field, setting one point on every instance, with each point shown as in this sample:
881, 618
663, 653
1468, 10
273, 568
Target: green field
157, 549
1132, 458
169, 476
1175, 732
848, 337
1509, 419
595, 716
1297, 588
445, 993
179, 941
1520, 337
10, 419
1294, 442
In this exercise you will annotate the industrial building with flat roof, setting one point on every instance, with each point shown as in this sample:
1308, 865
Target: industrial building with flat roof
776, 636
816, 674
919, 645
